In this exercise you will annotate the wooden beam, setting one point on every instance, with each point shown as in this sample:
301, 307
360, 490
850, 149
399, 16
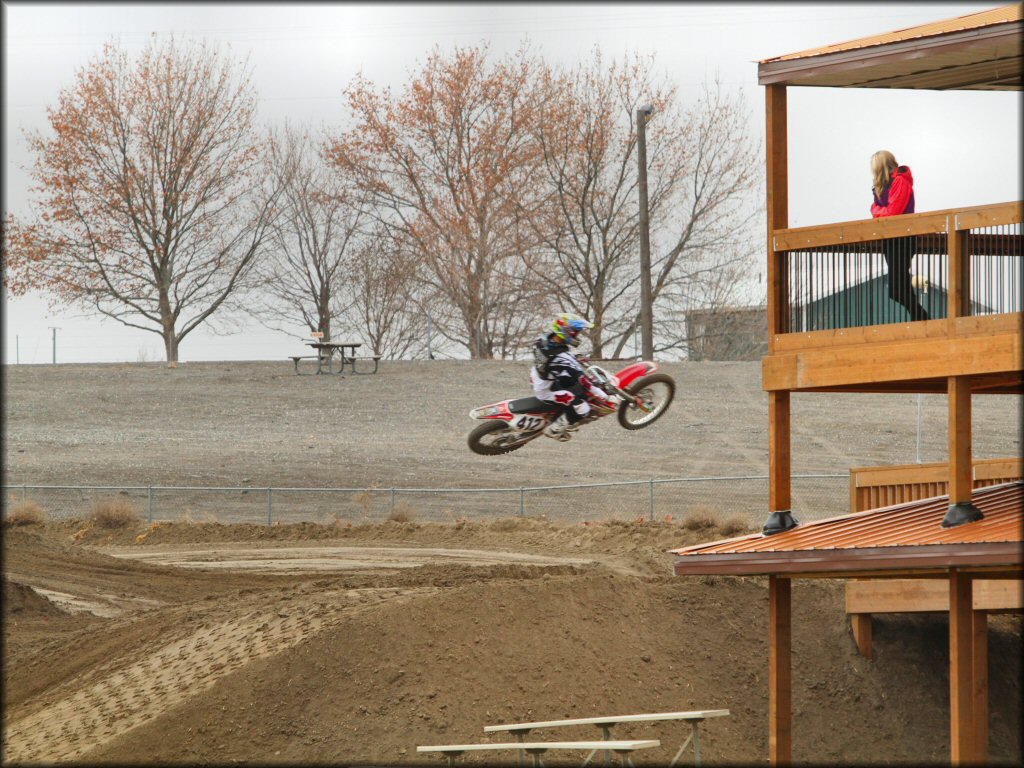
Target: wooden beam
979, 655
929, 595
923, 330
961, 482
887, 363
780, 682
860, 624
779, 452
777, 203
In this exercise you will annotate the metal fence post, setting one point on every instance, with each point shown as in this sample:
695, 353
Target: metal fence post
150, 503
270, 508
522, 501
650, 513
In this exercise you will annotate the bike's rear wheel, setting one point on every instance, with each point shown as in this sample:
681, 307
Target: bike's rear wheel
493, 438
655, 393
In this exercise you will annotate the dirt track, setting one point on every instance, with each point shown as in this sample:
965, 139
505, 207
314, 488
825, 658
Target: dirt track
333, 644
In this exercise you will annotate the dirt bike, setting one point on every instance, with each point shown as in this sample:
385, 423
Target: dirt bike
643, 397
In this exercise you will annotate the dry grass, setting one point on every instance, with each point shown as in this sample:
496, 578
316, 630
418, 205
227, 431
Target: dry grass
734, 526
699, 518
189, 517
24, 513
402, 513
113, 513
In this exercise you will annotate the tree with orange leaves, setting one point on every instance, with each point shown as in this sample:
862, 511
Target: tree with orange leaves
452, 166
150, 203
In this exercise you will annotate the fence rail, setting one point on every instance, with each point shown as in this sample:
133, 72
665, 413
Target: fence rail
815, 496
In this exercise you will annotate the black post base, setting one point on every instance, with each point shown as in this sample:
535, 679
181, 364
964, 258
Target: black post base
958, 514
779, 522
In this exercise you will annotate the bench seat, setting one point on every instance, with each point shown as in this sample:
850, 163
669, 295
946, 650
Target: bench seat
622, 747
376, 362
606, 723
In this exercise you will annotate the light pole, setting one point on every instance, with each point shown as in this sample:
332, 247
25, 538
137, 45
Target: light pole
54, 329
643, 114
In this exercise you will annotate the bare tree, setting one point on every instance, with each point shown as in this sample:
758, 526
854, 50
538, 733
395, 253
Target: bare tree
452, 164
591, 237
307, 265
709, 228
381, 295
150, 207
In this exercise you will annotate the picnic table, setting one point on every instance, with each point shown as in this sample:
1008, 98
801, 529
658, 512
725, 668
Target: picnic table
329, 351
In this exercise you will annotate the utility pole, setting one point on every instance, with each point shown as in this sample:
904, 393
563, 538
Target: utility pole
54, 329
643, 114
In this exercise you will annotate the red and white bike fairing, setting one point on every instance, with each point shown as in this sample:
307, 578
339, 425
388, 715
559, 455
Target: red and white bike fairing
643, 395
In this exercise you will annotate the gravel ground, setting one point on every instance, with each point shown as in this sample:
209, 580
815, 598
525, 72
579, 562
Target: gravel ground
258, 423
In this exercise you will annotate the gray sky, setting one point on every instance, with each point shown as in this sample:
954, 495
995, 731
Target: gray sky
963, 147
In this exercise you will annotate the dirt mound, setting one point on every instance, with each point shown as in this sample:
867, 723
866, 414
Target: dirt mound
198, 642
334, 667
24, 602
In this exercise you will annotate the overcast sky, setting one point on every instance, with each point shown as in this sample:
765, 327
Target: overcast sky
963, 146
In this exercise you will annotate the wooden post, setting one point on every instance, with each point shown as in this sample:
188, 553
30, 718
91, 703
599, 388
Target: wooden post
780, 685
979, 654
959, 297
777, 203
961, 667
779, 465
961, 469
860, 623
961, 480
779, 458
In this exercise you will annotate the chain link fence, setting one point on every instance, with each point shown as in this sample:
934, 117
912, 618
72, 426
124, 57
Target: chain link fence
814, 497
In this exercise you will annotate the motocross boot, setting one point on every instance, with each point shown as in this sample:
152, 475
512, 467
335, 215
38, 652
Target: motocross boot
560, 429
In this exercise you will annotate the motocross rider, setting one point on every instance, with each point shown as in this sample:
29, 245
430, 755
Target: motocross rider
558, 377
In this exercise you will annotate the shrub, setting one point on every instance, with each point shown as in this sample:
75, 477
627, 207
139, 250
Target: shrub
734, 526
24, 513
114, 513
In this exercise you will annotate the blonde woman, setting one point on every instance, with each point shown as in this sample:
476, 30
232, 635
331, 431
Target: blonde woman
893, 191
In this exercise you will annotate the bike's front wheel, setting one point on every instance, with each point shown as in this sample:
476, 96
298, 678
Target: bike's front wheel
493, 438
654, 394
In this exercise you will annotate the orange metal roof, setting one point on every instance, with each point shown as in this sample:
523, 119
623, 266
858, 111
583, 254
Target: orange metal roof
1001, 15
903, 536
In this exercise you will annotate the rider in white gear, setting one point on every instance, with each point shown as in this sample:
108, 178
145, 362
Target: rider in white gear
558, 377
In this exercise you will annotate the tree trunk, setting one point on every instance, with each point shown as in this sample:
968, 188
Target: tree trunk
170, 344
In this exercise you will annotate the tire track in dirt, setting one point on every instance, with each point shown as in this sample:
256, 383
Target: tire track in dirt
89, 712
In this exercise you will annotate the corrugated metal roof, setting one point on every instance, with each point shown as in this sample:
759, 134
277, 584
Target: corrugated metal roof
1001, 15
981, 51
903, 536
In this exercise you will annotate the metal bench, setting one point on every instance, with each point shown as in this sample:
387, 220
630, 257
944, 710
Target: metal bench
694, 717
623, 748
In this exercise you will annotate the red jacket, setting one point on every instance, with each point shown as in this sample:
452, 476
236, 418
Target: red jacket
897, 197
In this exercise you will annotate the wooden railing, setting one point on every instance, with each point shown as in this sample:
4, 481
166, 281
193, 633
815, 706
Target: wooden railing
874, 487
952, 263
